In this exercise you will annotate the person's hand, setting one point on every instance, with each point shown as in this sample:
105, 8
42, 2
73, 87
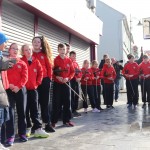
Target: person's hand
110, 78
15, 89
86, 78
97, 77
60, 79
65, 80
146, 76
78, 79
11, 86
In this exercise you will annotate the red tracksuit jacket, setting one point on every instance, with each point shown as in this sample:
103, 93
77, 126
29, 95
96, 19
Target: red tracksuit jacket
64, 64
78, 72
35, 73
96, 73
47, 67
18, 74
144, 68
131, 69
87, 73
108, 72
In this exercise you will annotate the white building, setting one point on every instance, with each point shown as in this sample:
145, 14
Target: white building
116, 34
61, 21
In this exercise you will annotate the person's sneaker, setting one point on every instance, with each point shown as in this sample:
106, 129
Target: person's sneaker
3, 148
40, 133
23, 138
108, 107
144, 105
129, 106
76, 114
69, 124
49, 128
116, 100
10, 142
95, 110
135, 106
101, 108
85, 110
28, 132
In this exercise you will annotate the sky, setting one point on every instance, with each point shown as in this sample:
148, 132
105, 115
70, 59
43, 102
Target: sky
138, 9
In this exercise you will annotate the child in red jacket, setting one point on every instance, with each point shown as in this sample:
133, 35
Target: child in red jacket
17, 77
63, 73
131, 73
144, 69
75, 84
35, 76
86, 86
43, 52
96, 82
109, 75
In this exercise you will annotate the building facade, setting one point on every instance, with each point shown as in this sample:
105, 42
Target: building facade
116, 37
60, 21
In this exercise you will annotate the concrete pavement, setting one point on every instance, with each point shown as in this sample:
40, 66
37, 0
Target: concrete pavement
114, 129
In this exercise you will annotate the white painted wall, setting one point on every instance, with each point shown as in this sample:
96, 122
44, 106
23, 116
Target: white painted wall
72, 13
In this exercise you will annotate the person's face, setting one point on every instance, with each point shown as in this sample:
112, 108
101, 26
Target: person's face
67, 49
108, 62
86, 65
131, 59
73, 57
3, 46
105, 57
145, 60
62, 51
27, 51
95, 65
36, 43
13, 50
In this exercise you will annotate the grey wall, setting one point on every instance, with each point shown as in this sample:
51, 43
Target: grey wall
111, 42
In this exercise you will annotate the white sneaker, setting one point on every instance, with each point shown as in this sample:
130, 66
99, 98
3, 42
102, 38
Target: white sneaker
3, 148
95, 110
40, 133
85, 110
28, 132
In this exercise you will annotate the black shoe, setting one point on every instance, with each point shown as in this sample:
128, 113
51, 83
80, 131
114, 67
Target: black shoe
48, 128
76, 114
144, 105
112, 107
23, 138
101, 108
116, 100
135, 106
129, 106
108, 106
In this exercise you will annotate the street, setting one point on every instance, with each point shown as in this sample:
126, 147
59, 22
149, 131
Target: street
114, 129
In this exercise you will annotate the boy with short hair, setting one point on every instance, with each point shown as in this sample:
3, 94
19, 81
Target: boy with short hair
63, 73
144, 69
75, 84
131, 73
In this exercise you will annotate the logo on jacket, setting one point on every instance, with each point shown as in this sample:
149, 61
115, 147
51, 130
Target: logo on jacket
42, 57
68, 65
35, 70
19, 66
134, 67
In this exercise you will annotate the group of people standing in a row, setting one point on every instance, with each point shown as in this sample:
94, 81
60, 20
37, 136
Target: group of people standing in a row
26, 82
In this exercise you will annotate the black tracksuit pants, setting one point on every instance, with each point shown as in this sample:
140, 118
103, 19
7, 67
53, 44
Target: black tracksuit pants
74, 98
97, 92
132, 91
44, 99
109, 93
20, 100
32, 110
145, 89
88, 91
61, 102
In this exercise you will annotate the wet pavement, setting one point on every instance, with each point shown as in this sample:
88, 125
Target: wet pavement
114, 129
